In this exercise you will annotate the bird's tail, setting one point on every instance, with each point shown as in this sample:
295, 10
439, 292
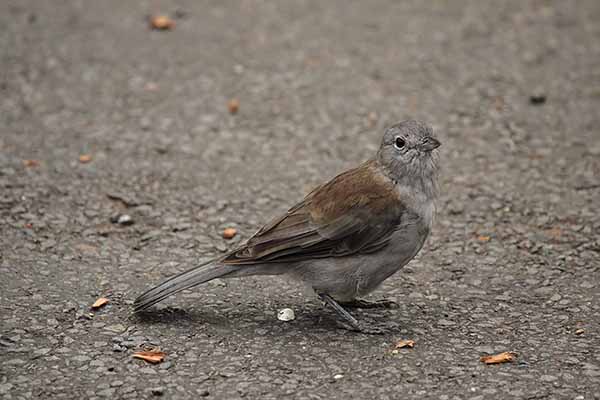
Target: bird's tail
185, 280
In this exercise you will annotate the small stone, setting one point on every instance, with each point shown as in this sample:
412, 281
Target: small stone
221, 247
548, 378
218, 282
41, 352
81, 358
537, 98
338, 376
166, 365
125, 219
556, 297
117, 328
53, 322
158, 391
118, 348
110, 392
286, 314
122, 219
148, 370
203, 392
128, 389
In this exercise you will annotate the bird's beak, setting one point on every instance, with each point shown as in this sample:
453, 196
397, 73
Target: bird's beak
430, 143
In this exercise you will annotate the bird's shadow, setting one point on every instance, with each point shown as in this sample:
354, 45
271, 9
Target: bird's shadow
249, 319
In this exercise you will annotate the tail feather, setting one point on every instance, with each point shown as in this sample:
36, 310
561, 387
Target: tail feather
185, 280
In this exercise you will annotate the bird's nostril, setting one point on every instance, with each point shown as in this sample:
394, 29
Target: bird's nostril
430, 143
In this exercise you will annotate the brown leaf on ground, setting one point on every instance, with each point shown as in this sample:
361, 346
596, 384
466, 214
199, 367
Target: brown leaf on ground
229, 233
400, 344
484, 238
102, 301
152, 356
233, 106
31, 163
507, 356
161, 22
553, 233
85, 158
151, 86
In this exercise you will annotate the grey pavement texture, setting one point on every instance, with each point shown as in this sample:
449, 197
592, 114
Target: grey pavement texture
513, 264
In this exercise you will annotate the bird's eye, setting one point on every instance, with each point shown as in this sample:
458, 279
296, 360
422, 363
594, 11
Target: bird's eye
399, 143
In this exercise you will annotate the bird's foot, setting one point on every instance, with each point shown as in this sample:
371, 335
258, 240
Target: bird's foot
349, 322
360, 303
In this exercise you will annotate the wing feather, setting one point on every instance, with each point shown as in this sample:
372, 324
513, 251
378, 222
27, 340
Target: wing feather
356, 212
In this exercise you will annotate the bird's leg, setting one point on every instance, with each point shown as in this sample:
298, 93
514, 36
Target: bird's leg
361, 303
352, 322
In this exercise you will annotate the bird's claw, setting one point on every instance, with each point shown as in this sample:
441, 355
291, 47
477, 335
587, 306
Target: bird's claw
360, 303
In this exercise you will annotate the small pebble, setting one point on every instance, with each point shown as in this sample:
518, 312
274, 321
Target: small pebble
117, 328
118, 348
286, 314
158, 391
537, 98
125, 219
166, 365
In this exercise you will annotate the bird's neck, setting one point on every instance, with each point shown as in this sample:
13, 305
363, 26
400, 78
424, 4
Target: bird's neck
420, 176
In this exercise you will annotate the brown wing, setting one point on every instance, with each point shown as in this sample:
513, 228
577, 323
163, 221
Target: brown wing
355, 212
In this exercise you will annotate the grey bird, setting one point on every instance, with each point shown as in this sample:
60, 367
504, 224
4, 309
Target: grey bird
347, 236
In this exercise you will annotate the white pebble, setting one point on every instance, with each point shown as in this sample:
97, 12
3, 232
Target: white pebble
125, 219
286, 314
338, 376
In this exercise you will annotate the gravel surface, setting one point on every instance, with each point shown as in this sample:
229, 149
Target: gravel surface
136, 166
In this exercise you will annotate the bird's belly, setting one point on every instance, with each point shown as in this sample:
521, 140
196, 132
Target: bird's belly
403, 247
346, 278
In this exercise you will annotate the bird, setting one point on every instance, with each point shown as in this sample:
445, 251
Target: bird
347, 235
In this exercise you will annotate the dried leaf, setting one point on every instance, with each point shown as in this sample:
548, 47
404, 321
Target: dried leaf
233, 106
372, 118
152, 356
161, 22
229, 233
151, 86
553, 232
484, 238
580, 331
507, 356
31, 163
400, 344
85, 158
100, 302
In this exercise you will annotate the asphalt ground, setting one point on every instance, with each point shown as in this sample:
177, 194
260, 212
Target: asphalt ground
513, 263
